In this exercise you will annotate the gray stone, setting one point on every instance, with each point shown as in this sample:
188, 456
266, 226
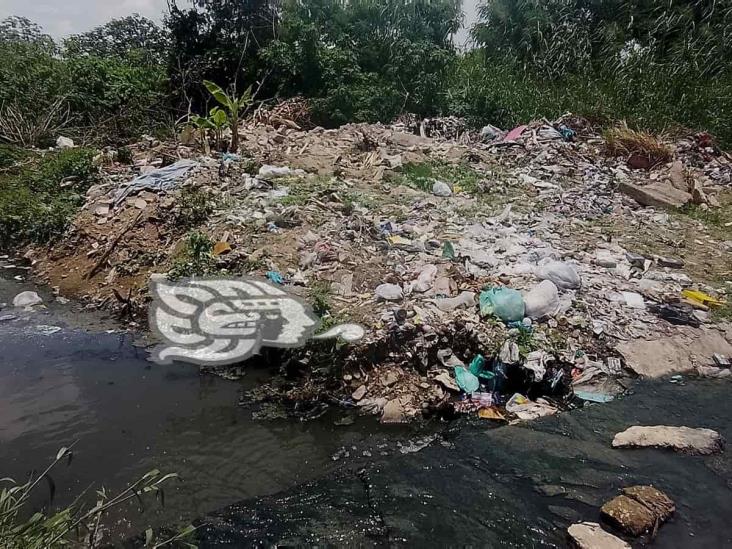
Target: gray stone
680, 439
675, 354
440, 188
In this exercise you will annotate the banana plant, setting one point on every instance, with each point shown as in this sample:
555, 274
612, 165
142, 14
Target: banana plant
234, 107
216, 121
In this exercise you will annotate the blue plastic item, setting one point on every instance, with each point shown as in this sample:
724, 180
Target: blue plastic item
275, 277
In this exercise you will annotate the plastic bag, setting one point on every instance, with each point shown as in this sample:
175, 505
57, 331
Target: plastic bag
505, 303
465, 380
562, 274
542, 301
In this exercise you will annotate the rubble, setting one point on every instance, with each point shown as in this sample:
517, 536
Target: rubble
680, 439
532, 216
638, 510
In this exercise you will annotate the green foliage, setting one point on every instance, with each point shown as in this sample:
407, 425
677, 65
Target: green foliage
217, 40
44, 90
34, 206
124, 155
654, 64
422, 176
195, 207
235, 108
10, 156
365, 60
197, 258
76, 525
132, 35
320, 295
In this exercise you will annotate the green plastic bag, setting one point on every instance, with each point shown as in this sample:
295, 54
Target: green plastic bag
505, 303
468, 382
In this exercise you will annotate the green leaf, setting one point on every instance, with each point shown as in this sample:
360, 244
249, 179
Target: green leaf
246, 97
218, 117
148, 537
218, 93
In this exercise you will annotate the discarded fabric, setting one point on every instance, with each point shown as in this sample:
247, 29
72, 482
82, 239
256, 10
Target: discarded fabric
164, 179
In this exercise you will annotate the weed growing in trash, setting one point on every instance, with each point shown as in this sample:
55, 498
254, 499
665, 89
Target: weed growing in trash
195, 207
717, 217
320, 295
423, 175
196, 259
624, 141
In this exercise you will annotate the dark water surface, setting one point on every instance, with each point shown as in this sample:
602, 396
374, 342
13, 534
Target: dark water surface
517, 486
130, 416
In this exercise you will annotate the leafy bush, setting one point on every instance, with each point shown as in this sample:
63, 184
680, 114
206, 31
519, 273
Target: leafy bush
44, 89
655, 64
33, 204
366, 60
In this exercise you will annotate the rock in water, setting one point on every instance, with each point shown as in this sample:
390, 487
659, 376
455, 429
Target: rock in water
27, 299
638, 510
393, 412
681, 439
589, 535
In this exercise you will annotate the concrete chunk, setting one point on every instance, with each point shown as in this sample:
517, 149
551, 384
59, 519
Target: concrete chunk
638, 510
589, 535
680, 439
658, 195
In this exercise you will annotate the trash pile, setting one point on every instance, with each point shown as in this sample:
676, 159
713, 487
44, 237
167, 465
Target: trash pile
526, 277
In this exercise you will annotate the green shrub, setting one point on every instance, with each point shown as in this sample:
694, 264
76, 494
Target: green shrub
34, 207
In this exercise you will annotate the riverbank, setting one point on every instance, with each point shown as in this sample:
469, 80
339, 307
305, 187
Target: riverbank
417, 238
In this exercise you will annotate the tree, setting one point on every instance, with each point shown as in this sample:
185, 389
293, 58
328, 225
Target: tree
365, 60
120, 38
20, 30
218, 40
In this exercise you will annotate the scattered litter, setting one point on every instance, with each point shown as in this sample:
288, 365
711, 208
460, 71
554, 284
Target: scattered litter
527, 410
563, 275
542, 301
274, 172
468, 382
275, 277
47, 330
594, 397
27, 299
389, 292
